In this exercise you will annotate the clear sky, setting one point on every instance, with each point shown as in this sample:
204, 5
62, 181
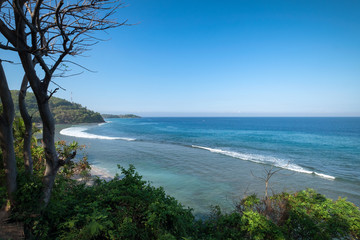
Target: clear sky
223, 58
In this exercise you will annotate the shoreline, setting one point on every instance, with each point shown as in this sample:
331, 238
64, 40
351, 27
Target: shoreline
95, 172
101, 173
188, 181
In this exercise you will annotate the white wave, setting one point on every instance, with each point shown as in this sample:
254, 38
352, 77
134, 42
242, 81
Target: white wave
324, 175
80, 133
264, 159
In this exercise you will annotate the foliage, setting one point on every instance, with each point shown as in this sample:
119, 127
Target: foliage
80, 167
246, 225
62, 110
28, 194
312, 215
129, 208
123, 208
37, 151
302, 215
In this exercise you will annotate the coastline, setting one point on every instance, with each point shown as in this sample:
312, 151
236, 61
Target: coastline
217, 177
101, 173
95, 172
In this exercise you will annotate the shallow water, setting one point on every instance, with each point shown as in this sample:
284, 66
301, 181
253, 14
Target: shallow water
216, 161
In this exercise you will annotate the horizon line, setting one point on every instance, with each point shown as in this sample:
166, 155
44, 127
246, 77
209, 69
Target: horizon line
239, 115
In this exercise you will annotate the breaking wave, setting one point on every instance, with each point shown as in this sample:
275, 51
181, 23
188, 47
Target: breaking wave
265, 160
80, 133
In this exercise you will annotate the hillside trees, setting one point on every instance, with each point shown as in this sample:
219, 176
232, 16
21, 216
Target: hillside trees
46, 32
64, 112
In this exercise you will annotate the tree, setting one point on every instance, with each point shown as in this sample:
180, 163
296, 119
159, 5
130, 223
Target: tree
46, 32
6, 134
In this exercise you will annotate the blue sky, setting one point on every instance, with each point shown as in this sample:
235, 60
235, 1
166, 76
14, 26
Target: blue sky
223, 58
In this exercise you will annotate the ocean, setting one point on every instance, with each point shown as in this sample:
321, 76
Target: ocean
209, 161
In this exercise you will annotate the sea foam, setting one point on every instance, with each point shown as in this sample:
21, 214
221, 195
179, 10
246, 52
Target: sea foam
265, 160
80, 133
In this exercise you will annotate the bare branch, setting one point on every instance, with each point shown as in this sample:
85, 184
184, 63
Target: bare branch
52, 93
79, 65
267, 175
59, 87
14, 49
23, 17
7, 33
7, 61
65, 76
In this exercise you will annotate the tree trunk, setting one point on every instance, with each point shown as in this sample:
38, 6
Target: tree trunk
52, 160
6, 136
42, 99
28, 127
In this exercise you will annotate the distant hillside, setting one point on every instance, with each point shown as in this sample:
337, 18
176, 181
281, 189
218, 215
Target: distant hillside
120, 116
63, 110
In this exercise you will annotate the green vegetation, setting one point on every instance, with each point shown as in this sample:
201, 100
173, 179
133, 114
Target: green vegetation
301, 215
129, 208
123, 208
120, 116
62, 110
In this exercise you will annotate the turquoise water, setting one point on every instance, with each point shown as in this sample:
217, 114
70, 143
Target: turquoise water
209, 161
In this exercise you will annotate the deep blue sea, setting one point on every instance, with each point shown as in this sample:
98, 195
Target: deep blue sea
216, 161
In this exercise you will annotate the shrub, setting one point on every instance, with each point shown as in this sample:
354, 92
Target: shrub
313, 216
302, 215
123, 208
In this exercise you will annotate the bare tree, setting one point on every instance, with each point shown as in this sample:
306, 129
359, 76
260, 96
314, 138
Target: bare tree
6, 135
266, 176
272, 208
49, 31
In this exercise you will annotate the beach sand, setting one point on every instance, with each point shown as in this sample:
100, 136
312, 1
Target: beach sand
95, 172
100, 173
